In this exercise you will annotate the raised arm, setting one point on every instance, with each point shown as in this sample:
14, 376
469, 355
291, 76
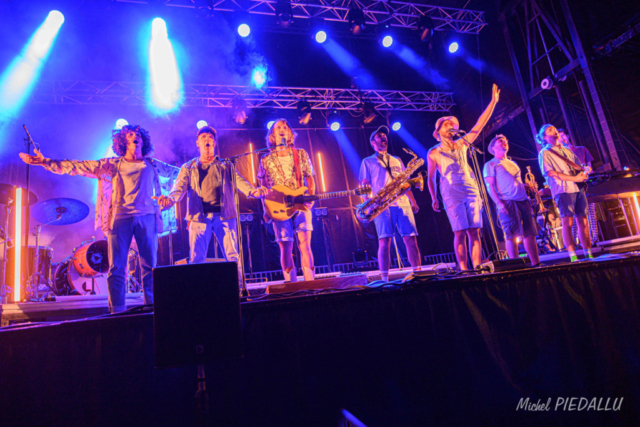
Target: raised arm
86, 168
484, 117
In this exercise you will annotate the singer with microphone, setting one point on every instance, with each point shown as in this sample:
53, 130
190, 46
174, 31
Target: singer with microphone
290, 166
124, 207
458, 186
211, 207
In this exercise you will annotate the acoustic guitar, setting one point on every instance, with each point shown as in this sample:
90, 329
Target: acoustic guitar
282, 202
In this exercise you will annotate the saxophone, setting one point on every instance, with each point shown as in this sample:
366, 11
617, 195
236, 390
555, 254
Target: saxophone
532, 190
367, 211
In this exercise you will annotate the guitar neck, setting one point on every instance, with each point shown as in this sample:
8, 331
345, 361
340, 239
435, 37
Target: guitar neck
325, 196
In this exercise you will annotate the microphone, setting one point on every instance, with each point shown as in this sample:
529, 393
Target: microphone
457, 132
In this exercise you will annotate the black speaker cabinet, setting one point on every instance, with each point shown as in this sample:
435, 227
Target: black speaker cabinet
196, 314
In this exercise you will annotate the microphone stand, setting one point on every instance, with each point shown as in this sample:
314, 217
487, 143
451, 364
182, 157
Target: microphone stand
28, 142
480, 182
231, 161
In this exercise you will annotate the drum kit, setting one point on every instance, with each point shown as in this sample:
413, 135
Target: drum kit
83, 272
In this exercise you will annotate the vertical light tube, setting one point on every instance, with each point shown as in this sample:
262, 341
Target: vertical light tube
635, 202
253, 170
324, 187
17, 273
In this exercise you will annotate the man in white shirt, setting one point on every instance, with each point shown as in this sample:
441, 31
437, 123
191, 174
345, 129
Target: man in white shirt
505, 186
378, 171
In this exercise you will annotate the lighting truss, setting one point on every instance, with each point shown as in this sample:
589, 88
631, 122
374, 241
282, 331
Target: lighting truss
221, 96
395, 13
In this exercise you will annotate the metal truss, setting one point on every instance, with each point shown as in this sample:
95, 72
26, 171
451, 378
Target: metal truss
221, 96
394, 13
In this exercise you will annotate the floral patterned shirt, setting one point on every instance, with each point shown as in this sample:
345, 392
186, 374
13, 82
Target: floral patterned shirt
271, 173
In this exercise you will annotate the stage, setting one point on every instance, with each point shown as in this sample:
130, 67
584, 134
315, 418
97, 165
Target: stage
455, 351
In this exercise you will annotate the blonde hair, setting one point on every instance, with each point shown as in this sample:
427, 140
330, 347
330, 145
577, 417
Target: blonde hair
271, 135
541, 132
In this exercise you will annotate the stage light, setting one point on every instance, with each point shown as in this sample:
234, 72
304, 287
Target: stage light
425, 28
244, 30
120, 123
453, 47
165, 83
240, 110
356, 20
324, 187
284, 13
304, 112
18, 79
270, 123
368, 112
321, 36
17, 260
259, 76
201, 124
333, 120
396, 126
387, 41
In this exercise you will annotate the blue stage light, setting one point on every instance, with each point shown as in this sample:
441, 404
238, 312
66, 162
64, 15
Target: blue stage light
244, 30
396, 126
387, 41
201, 124
18, 79
271, 122
164, 76
259, 76
120, 123
335, 126
321, 36
453, 47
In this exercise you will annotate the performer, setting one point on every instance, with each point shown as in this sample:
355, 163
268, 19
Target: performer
211, 207
124, 208
460, 192
562, 180
504, 184
585, 159
291, 167
581, 152
377, 171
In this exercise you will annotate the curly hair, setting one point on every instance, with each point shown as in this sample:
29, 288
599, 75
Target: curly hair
540, 135
119, 138
271, 135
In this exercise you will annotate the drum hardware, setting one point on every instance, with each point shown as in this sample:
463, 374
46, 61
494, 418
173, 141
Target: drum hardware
134, 271
34, 281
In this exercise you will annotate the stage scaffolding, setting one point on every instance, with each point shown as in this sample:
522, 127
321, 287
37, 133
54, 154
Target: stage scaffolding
377, 12
222, 96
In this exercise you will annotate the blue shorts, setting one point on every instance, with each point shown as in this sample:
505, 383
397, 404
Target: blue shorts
465, 214
284, 229
572, 204
394, 216
518, 221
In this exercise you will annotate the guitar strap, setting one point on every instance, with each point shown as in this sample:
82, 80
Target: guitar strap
566, 160
296, 167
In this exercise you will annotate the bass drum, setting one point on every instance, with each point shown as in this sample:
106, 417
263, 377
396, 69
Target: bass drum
92, 258
67, 281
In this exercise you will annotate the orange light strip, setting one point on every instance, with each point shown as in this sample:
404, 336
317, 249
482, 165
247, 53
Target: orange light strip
635, 201
324, 187
17, 273
253, 171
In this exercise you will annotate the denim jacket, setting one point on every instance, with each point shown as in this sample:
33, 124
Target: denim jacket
188, 182
106, 171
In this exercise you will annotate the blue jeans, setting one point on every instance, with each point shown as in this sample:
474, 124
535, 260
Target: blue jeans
143, 227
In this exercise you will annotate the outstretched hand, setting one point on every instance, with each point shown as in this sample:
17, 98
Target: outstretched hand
495, 95
37, 159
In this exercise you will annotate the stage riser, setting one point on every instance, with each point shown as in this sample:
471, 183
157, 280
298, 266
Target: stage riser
457, 353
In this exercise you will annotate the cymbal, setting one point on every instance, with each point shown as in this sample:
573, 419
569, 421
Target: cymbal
8, 191
68, 210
